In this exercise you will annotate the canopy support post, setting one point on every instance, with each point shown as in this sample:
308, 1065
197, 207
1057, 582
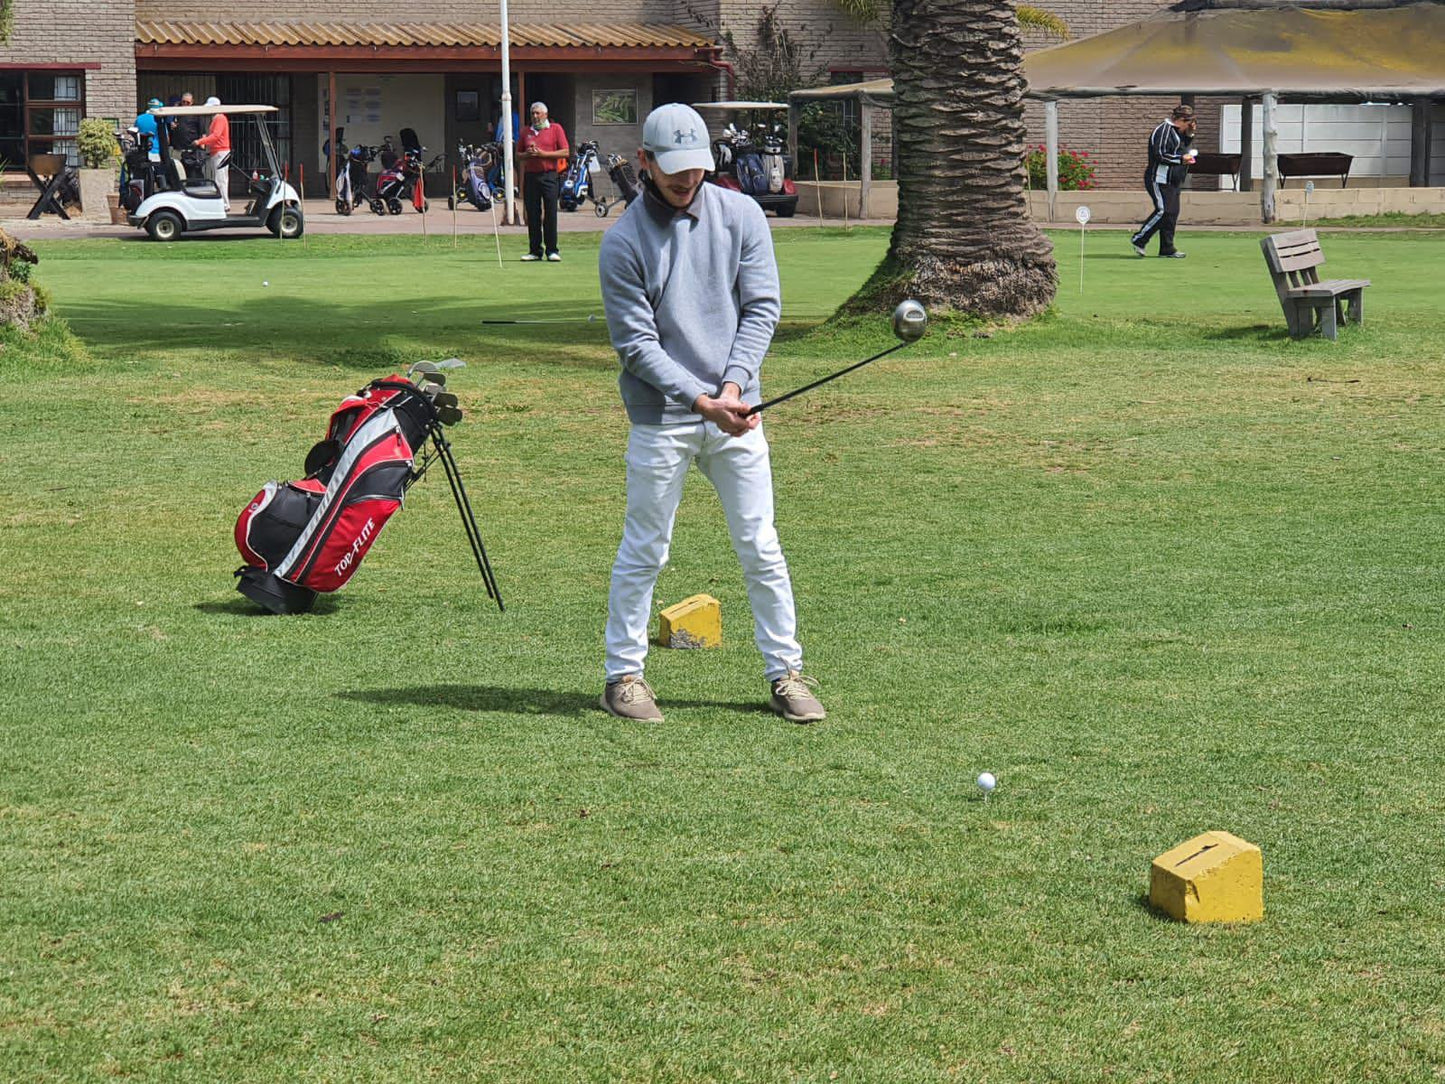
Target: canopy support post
865, 158
1271, 158
793, 134
1246, 144
1420, 143
331, 130
1051, 152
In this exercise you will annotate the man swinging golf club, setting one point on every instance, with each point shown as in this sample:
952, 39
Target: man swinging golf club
690, 291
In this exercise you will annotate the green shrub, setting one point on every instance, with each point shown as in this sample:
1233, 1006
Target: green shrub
96, 143
1076, 170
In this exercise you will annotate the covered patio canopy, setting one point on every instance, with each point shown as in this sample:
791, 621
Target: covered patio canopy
1331, 50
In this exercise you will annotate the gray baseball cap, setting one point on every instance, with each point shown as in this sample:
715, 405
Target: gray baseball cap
677, 139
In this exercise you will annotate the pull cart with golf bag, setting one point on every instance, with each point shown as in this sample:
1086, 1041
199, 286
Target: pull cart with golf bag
351, 178
305, 537
404, 181
474, 185
176, 205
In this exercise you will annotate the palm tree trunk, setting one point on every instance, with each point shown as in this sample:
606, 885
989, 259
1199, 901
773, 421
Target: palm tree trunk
963, 239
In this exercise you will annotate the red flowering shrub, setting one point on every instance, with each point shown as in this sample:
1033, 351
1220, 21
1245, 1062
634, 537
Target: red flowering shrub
1076, 169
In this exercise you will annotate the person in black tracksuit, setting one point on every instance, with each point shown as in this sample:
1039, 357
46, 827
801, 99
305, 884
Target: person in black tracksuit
1169, 159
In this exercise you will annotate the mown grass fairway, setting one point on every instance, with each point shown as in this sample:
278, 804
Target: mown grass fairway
1158, 567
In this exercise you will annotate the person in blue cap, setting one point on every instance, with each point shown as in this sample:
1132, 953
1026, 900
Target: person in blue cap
146, 125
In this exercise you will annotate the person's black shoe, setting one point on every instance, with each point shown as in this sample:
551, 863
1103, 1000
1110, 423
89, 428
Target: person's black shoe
1176, 255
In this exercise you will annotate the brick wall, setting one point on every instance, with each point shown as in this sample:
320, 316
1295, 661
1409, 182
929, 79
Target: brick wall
620, 139
828, 38
80, 31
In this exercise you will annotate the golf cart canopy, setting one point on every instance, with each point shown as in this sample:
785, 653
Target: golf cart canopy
1349, 49
212, 110
740, 105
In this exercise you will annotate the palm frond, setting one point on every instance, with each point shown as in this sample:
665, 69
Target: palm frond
1032, 18
864, 11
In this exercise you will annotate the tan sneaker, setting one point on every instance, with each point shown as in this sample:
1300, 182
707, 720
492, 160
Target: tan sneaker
793, 698
631, 698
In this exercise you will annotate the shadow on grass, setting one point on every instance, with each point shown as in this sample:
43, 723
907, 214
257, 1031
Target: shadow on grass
522, 701
347, 331
1141, 902
1256, 332
244, 607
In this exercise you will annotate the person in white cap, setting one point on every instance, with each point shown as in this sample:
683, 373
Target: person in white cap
690, 290
217, 141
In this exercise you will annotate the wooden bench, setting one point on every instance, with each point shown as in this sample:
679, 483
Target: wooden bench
1294, 259
1319, 164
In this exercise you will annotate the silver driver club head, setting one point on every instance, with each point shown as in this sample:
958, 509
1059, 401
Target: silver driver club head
910, 321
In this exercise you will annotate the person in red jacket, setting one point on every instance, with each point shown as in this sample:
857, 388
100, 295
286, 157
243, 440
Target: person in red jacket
217, 141
543, 150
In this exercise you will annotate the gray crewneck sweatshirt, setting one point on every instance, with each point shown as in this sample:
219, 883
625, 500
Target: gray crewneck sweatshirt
691, 299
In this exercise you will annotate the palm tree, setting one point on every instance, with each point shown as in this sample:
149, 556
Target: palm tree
963, 240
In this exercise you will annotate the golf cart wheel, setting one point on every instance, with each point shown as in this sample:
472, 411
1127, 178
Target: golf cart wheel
425, 207
786, 210
287, 223
164, 226
394, 206
602, 208
377, 207
343, 207
451, 203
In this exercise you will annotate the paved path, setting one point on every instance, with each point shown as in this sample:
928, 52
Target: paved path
321, 218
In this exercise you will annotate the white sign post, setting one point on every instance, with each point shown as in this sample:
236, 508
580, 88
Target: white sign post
1082, 214
1305, 214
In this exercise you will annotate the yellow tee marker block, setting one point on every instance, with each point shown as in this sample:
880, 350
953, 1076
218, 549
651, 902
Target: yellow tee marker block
1215, 877
693, 622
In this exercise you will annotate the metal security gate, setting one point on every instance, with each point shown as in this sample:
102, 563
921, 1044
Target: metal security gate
242, 88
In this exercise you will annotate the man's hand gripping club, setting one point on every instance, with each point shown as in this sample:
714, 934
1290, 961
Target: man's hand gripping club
727, 410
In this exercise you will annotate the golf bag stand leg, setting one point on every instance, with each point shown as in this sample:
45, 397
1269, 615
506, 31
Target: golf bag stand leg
469, 521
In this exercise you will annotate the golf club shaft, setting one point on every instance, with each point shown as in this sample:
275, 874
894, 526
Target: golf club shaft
563, 320
824, 380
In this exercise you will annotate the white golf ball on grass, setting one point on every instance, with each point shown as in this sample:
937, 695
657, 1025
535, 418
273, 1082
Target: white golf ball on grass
986, 782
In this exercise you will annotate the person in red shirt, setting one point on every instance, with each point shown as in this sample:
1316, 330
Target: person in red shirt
543, 150
217, 140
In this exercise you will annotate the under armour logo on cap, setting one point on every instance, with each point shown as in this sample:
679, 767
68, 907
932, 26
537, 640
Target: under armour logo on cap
677, 139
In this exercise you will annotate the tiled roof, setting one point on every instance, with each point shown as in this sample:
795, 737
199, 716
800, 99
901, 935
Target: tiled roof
447, 35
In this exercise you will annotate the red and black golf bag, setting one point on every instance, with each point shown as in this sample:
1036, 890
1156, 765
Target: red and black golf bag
301, 538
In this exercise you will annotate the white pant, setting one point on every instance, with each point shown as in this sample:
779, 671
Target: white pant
738, 468
221, 173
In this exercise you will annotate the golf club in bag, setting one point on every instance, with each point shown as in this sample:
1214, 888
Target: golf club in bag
301, 538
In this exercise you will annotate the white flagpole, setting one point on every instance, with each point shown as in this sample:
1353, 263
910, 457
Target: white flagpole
507, 134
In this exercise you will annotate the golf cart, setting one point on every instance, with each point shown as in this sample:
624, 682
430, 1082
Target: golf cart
753, 158
189, 205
